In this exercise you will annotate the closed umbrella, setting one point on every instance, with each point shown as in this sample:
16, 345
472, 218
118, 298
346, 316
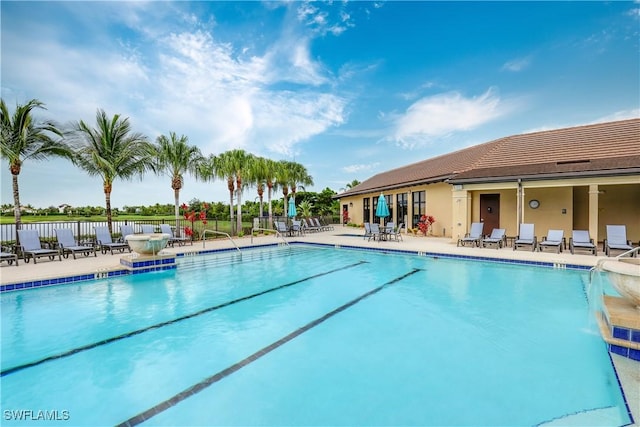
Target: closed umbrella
382, 210
292, 208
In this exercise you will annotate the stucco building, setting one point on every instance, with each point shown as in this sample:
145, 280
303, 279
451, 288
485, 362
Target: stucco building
581, 177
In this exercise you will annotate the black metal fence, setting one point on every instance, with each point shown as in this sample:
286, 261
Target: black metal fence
84, 230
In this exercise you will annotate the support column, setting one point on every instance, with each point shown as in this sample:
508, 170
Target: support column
460, 212
593, 212
519, 206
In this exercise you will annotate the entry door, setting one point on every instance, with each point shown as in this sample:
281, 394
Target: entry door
490, 211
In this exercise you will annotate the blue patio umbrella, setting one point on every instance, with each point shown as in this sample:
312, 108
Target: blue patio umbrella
382, 210
292, 208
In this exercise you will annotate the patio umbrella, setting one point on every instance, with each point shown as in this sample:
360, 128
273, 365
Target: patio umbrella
292, 208
382, 210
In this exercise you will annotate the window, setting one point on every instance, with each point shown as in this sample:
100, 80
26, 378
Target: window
419, 206
401, 211
366, 210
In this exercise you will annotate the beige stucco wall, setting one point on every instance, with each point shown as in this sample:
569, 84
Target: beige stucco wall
619, 204
588, 204
555, 211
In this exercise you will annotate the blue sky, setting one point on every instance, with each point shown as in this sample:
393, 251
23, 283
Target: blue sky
349, 89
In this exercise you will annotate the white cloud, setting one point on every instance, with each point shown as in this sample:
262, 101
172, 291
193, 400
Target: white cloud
619, 115
184, 81
517, 64
361, 167
440, 115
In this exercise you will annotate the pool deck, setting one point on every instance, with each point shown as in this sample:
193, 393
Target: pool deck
628, 370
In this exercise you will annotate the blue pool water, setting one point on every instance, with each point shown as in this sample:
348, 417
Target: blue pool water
309, 336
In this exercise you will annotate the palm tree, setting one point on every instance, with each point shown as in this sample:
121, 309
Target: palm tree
259, 174
233, 165
21, 138
176, 157
271, 168
297, 176
112, 151
352, 184
282, 178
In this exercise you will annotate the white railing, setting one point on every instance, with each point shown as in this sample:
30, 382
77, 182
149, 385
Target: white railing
270, 230
204, 233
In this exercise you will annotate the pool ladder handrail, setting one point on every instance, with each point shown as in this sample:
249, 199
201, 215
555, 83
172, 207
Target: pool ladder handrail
204, 233
598, 267
271, 230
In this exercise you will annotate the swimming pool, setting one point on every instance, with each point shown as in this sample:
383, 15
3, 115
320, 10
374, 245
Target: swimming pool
310, 336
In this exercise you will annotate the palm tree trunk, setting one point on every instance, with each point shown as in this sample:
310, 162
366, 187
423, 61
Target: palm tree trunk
107, 198
176, 201
16, 205
239, 198
270, 208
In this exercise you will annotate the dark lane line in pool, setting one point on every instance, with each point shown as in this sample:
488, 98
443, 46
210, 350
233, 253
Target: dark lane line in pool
196, 388
169, 322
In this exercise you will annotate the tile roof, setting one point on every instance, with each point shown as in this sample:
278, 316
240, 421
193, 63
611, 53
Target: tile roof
603, 148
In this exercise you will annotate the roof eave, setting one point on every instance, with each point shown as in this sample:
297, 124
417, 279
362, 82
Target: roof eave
393, 186
535, 177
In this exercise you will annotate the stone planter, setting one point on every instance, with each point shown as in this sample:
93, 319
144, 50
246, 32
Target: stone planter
147, 244
625, 278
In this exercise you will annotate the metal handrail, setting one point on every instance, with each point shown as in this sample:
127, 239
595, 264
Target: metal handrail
271, 230
630, 252
204, 233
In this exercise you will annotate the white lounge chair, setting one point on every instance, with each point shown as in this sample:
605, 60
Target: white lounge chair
105, 241
526, 238
496, 238
181, 241
147, 229
474, 236
616, 239
10, 257
580, 240
69, 245
31, 247
554, 240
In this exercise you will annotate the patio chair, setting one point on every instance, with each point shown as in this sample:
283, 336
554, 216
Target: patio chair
496, 238
580, 239
389, 227
10, 257
474, 236
616, 239
69, 245
296, 228
31, 247
367, 230
147, 229
309, 227
181, 241
105, 242
324, 225
553, 240
125, 230
526, 238
375, 231
396, 233
318, 225
281, 228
